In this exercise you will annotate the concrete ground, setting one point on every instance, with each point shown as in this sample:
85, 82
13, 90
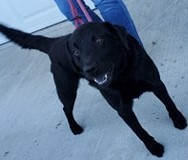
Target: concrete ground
33, 126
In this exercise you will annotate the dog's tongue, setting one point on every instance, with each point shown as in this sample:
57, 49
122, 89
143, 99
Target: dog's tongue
101, 80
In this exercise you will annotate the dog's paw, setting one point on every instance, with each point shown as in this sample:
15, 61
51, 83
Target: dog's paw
179, 121
155, 148
76, 129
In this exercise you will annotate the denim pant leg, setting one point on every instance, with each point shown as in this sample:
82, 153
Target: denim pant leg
115, 12
64, 7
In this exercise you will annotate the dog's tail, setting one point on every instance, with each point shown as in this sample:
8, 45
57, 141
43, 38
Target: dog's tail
26, 40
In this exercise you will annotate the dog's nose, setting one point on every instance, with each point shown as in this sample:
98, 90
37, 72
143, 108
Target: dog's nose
90, 69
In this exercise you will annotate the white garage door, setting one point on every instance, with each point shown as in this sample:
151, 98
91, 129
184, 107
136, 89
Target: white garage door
29, 15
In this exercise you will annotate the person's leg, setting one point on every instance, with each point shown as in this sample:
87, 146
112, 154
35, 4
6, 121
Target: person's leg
64, 7
115, 12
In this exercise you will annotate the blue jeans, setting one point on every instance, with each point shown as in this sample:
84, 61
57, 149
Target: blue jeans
113, 11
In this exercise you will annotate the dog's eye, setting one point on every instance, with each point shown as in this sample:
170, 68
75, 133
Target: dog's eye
76, 53
98, 40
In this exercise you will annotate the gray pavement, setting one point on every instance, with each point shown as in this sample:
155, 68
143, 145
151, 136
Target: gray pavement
33, 126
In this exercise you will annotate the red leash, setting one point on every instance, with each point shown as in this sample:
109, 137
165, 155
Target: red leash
78, 19
84, 10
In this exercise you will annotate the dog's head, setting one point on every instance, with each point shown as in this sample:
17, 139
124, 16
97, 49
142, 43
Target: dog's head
98, 51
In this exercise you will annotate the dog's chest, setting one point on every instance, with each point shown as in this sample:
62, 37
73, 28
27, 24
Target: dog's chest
132, 88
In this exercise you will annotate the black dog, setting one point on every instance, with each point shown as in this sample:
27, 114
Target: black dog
112, 61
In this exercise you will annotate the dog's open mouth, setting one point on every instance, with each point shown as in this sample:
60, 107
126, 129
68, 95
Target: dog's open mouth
104, 79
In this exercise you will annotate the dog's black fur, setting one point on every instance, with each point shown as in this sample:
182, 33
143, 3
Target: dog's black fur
113, 62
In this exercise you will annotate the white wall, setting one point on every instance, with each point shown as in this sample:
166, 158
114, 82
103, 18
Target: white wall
30, 15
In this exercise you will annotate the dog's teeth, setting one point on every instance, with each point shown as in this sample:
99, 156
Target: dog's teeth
95, 80
100, 82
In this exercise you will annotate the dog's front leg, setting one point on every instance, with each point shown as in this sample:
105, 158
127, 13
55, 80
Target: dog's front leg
161, 92
67, 97
125, 111
66, 86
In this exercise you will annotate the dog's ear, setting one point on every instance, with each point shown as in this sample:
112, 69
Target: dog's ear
76, 68
120, 32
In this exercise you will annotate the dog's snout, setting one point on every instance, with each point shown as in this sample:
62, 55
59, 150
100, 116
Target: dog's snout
90, 69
